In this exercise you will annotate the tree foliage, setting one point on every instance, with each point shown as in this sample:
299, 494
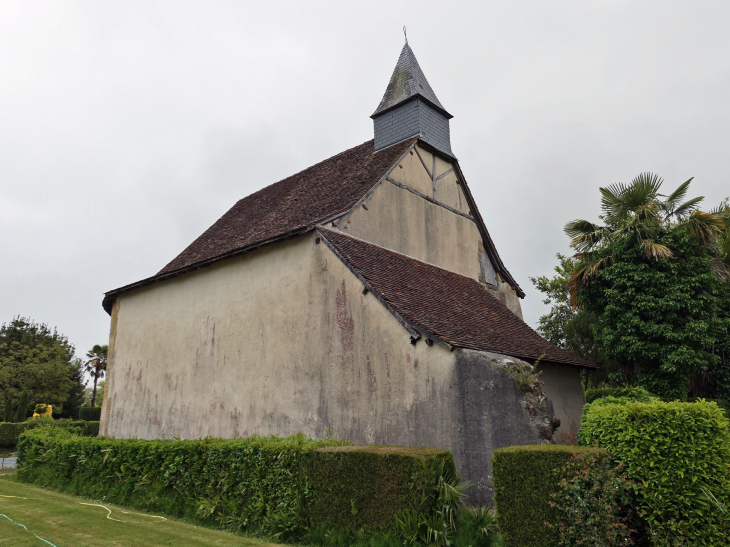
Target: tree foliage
666, 321
650, 287
40, 360
567, 327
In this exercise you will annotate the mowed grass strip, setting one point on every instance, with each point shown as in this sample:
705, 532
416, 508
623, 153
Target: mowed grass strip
63, 521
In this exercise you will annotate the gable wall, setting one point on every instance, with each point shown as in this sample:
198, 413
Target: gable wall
280, 340
283, 340
427, 219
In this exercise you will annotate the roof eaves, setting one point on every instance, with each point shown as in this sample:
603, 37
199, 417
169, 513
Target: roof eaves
111, 296
489, 245
437, 107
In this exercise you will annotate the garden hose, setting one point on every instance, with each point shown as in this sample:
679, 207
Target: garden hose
24, 527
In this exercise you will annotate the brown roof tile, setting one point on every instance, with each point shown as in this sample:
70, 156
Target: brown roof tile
314, 195
454, 308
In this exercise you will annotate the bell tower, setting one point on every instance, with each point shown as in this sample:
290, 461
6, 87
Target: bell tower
410, 107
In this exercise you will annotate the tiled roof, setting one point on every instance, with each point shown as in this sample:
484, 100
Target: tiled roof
311, 196
407, 81
452, 307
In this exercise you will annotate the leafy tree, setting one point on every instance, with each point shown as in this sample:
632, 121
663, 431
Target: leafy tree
22, 412
654, 277
553, 325
96, 366
39, 360
77, 393
570, 328
8, 414
89, 392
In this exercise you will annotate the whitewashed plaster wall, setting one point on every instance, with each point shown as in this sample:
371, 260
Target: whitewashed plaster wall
280, 340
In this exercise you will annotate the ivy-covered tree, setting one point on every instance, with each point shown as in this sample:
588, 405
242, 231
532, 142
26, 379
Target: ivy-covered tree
655, 277
568, 327
39, 360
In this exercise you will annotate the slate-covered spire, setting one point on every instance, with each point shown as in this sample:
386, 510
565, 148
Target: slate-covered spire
410, 107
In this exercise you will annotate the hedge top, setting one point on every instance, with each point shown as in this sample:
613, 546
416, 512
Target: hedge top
411, 452
546, 448
633, 393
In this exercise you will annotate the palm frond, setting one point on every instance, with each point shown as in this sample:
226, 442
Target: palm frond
643, 189
582, 275
612, 203
619, 201
706, 227
677, 196
686, 208
657, 251
722, 211
720, 269
584, 235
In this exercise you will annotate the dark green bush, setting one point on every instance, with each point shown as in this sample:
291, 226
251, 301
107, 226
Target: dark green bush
9, 432
364, 487
524, 478
22, 412
8, 414
91, 429
633, 393
593, 502
90, 414
678, 456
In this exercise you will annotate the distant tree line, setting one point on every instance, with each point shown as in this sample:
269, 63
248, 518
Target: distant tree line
38, 366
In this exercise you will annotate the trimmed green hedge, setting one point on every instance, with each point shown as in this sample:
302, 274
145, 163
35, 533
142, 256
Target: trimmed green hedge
90, 414
524, 479
633, 393
364, 487
271, 485
10, 431
677, 455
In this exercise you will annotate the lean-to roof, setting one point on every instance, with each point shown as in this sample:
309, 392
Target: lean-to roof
443, 305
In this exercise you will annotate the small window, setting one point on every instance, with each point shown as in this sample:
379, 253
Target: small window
487, 273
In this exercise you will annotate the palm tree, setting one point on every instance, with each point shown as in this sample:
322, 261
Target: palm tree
724, 211
96, 366
638, 211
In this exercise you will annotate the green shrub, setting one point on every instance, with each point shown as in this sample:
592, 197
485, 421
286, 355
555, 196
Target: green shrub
90, 414
23, 402
91, 429
9, 432
364, 487
722, 403
633, 393
593, 502
677, 455
524, 479
272, 485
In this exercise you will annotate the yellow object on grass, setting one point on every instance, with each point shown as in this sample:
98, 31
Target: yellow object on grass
42, 411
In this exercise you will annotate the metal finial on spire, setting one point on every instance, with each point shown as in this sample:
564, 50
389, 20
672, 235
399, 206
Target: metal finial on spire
404, 33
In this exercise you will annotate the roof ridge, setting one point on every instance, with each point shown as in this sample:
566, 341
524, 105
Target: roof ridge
308, 168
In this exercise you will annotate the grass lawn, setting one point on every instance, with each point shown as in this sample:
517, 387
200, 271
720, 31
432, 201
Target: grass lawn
63, 521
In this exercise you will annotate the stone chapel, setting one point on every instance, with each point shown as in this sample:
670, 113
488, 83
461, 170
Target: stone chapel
361, 297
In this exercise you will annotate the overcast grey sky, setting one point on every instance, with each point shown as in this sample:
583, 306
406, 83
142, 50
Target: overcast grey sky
127, 128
